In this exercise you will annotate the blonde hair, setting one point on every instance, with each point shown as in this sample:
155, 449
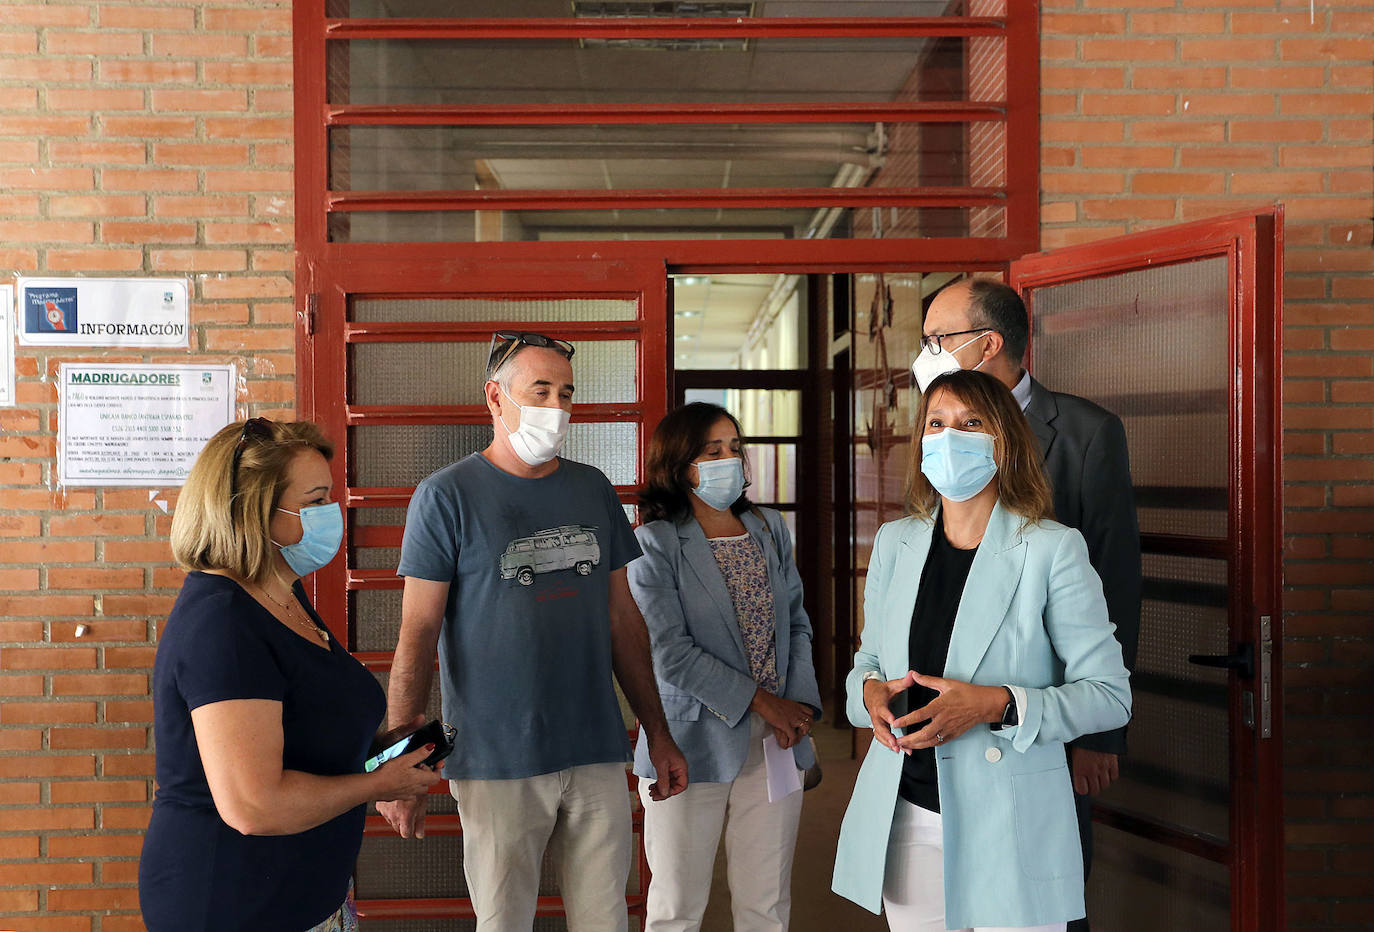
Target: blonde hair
1022, 486
223, 512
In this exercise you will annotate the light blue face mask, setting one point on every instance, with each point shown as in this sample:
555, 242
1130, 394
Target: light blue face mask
321, 534
720, 482
958, 463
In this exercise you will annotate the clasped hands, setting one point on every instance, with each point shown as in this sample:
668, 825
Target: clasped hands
791, 721
958, 707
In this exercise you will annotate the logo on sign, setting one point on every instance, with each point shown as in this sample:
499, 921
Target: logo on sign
50, 310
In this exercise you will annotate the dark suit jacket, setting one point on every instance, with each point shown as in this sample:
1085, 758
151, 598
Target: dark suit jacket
1089, 468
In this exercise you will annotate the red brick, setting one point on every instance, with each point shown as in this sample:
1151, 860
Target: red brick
120, 872
134, 712
1339, 104
110, 898
129, 765
21, 631
44, 70
147, 127
47, 552
138, 551
171, 19
78, 739
47, 658
91, 578
1217, 50
1277, 182
1330, 48
255, 181
94, 99
271, 46
117, 817
269, 101
1128, 50
256, 21
194, 45
199, 99
19, 820
18, 794
144, 605
129, 657
191, 153
1277, 76
1176, 183
103, 260
1326, 156
268, 233
147, 232
93, 43
257, 286
1177, 131
12, 901
1272, 131
117, 71
46, 712
93, 846
247, 72
97, 205
148, 180
46, 179
249, 127
100, 684
50, 873
23, 740
18, 43
1352, 392
101, 629
199, 206
103, 791
11, 685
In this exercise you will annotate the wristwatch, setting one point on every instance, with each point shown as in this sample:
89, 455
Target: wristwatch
872, 675
1010, 716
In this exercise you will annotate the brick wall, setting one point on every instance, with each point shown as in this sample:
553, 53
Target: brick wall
141, 139
1155, 112
135, 139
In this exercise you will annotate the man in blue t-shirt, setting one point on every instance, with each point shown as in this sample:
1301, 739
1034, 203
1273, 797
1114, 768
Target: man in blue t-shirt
514, 564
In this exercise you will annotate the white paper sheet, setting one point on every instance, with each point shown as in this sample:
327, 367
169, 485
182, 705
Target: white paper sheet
784, 778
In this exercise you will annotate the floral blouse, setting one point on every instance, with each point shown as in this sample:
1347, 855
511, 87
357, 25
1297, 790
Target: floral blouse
746, 577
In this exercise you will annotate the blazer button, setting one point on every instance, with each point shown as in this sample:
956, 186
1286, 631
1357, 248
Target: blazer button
993, 755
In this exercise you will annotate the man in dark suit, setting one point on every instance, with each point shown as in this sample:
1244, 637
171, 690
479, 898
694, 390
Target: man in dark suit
978, 324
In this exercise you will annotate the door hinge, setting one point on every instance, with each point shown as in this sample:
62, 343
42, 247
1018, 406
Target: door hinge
312, 305
1266, 677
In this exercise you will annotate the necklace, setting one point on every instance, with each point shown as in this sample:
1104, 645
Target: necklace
296, 614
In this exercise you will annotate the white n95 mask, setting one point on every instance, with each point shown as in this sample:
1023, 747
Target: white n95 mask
930, 366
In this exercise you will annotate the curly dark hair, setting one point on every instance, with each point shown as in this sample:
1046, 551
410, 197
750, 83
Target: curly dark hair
676, 443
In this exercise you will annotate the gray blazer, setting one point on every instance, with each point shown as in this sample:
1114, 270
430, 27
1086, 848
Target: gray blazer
1089, 467
699, 658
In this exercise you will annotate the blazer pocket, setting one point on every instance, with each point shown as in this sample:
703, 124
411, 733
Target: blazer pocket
1046, 823
679, 708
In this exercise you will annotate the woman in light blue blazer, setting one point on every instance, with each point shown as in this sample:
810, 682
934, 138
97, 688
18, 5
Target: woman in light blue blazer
986, 647
721, 595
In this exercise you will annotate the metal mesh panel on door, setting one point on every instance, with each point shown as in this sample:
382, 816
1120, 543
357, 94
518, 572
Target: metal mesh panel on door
376, 619
403, 454
452, 373
471, 310
1151, 346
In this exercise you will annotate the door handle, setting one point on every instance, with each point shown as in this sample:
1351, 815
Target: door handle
1242, 660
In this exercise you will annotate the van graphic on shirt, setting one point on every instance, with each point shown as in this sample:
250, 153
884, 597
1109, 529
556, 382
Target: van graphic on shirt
568, 547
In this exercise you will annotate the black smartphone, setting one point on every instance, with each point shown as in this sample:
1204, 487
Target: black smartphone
440, 734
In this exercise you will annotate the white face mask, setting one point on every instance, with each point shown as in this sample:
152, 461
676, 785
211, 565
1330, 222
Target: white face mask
930, 366
540, 434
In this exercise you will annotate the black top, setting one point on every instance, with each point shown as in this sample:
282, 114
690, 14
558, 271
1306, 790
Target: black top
197, 874
932, 625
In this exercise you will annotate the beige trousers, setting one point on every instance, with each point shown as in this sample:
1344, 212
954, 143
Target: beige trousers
681, 836
581, 815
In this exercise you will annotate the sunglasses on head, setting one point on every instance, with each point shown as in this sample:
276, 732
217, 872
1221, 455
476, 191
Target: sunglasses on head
255, 427
504, 343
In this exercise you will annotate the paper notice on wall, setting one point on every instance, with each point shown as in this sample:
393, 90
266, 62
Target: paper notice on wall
7, 346
136, 424
104, 312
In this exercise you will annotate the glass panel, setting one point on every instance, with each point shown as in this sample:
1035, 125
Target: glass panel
708, 156
580, 71
452, 373
767, 412
467, 310
739, 322
528, 9
1139, 886
1151, 345
713, 223
376, 616
773, 468
387, 455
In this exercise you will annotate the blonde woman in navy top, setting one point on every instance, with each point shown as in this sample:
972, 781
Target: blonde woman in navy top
720, 592
262, 719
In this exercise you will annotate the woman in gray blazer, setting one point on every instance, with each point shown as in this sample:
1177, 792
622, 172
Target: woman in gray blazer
722, 598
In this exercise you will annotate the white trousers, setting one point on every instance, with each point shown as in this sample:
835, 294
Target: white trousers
581, 815
914, 881
681, 836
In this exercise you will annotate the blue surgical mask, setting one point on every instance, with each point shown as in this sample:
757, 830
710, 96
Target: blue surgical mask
958, 463
720, 482
321, 534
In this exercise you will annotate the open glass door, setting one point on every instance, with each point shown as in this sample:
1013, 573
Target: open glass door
1178, 332
393, 352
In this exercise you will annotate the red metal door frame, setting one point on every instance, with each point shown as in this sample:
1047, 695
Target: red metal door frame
1253, 246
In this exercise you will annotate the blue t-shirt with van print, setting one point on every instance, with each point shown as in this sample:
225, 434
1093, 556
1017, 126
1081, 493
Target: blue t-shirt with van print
525, 651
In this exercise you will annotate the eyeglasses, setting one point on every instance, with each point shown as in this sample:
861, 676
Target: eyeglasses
932, 341
514, 339
254, 427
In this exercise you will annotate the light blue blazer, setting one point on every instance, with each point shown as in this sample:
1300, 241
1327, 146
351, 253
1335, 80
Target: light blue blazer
699, 657
1033, 615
